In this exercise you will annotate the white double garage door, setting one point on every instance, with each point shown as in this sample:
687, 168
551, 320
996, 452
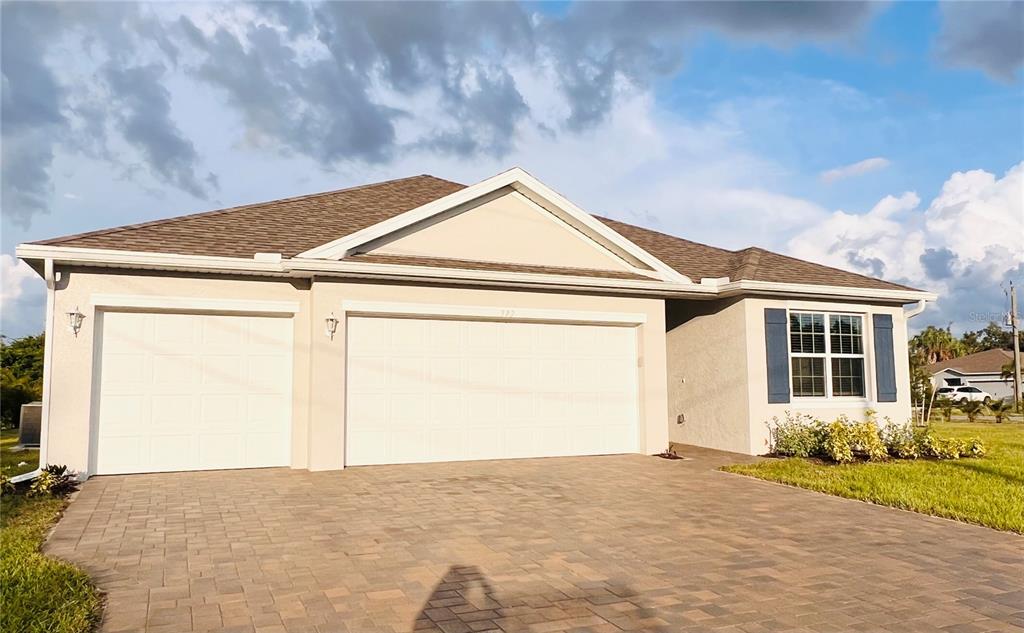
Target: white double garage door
199, 392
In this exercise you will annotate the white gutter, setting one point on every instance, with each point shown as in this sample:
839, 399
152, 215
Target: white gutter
310, 267
916, 310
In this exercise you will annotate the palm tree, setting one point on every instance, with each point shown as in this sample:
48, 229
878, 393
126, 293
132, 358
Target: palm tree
946, 406
972, 408
937, 344
1000, 408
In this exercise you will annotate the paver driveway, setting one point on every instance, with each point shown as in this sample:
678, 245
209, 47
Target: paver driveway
573, 544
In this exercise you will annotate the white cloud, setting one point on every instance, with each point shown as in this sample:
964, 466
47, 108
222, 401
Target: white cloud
13, 274
856, 169
963, 246
22, 298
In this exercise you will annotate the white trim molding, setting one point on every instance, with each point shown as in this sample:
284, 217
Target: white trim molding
489, 313
192, 304
308, 267
519, 180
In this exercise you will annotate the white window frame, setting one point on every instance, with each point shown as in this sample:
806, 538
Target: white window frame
828, 355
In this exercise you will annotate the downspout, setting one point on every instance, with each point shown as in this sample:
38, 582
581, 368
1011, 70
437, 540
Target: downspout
44, 428
926, 408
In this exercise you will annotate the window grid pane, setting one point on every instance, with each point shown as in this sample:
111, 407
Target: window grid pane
845, 333
808, 376
847, 376
807, 333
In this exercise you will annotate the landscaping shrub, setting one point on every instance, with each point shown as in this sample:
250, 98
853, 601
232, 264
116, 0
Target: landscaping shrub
797, 436
843, 441
6, 486
55, 481
836, 442
901, 440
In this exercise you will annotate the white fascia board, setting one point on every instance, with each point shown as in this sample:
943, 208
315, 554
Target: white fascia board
303, 267
321, 267
164, 303
831, 292
519, 180
144, 260
490, 313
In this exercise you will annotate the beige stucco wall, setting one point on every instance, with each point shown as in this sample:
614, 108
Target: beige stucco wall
327, 396
71, 380
707, 374
761, 411
319, 362
717, 372
508, 229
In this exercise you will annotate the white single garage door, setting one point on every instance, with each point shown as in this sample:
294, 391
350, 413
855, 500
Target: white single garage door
193, 392
423, 390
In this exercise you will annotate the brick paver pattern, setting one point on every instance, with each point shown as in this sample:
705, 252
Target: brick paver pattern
599, 544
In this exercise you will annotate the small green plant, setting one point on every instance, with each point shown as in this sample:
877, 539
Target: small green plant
945, 405
951, 448
900, 440
1000, 409
796, 436
972, 408
837, 441
55, 481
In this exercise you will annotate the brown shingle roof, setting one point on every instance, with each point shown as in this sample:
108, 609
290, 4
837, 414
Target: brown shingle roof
289, 226
294, 225
989, 361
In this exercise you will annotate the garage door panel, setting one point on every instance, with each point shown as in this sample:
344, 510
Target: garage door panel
445, 407
123, 414
223, 371
497, 390
445, 337
209, 391
174, 370
172, 413
216, 409
175, 329
126, 454
173, 452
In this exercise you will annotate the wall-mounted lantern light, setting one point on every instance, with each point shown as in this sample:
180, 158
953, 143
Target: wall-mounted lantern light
331, 326
75, 319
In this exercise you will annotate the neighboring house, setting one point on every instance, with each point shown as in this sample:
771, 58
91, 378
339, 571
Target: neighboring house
982, 370
422, 320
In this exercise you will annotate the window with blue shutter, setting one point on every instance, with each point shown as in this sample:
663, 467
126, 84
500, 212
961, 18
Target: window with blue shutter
885, 359
776, 338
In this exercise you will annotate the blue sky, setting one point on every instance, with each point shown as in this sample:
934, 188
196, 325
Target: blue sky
882, 138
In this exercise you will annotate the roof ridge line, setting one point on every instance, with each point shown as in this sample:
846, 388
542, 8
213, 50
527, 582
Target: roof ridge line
239, 207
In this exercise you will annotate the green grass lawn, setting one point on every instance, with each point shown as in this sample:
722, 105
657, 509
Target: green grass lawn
11, 458
987, 491
39, 594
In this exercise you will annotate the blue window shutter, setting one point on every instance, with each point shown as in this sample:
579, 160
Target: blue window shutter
776, 340
885, 361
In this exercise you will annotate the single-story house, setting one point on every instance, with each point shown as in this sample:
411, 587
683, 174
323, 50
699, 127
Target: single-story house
982, 370
421, 320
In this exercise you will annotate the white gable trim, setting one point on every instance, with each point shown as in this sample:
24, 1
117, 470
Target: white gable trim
524, 183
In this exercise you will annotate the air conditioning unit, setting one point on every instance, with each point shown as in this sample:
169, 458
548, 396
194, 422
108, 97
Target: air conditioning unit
30, 424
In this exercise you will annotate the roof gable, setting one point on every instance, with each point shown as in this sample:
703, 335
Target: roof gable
506, 227
460, 201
